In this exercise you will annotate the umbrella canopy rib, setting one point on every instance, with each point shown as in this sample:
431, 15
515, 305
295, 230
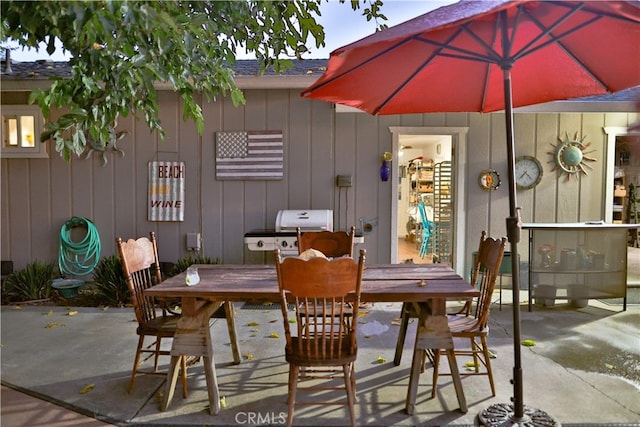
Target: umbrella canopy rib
425, 63
362, 64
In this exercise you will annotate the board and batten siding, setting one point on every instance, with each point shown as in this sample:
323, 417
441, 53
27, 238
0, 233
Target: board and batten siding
38, 195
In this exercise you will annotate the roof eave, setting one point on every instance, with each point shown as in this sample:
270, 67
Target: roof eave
303, 82
243, 82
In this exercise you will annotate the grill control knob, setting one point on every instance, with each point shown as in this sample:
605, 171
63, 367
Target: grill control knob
260, 243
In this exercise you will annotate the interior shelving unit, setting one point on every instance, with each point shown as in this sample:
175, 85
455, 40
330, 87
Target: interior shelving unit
442, 211
422, 183
619, 195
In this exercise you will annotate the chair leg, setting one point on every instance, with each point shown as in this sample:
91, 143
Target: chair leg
475, 348
294, 371
184, 376
353, 380
404, 323
156, 356
436, 366
136, 360
348, 384
487, 358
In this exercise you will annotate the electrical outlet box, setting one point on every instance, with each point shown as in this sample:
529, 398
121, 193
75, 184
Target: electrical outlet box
344, 181
193, 241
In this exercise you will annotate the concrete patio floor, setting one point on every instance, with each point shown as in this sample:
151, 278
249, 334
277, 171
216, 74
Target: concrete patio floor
583, 370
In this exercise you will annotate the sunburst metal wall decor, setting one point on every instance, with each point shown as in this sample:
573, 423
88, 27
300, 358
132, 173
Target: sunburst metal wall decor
570, 157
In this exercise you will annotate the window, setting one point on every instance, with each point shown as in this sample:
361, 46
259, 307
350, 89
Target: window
21, 127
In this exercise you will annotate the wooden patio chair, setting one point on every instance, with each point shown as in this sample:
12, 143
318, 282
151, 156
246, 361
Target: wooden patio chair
141, 268
319, 289
333, 244
472, 321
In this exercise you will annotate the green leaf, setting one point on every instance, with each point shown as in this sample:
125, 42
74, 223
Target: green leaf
120, 50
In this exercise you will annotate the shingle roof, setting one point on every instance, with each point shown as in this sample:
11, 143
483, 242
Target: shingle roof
43, 70
39, 70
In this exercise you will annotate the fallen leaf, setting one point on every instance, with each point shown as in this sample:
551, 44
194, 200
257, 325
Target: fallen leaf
381, 359
273, 321
292, 320
274, 335
492, 354
53, 325
252, 324
72, 313
528, 343
248, 356
609, 366
362, 313
223, 402
17, 307
471, 364
87, 388
255, 330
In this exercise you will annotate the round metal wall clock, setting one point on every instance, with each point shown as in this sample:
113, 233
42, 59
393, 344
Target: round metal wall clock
528, 172
570, 157
489, 179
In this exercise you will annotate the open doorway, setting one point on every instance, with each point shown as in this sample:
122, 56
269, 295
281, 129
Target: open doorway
424, 199
458, 153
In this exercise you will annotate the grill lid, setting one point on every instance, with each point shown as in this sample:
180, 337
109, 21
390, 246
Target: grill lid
309, 220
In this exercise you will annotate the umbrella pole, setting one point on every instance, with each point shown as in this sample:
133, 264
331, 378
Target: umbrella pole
513, 235
515, 414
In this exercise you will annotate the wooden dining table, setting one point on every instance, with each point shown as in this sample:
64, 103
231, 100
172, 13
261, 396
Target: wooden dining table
426, 286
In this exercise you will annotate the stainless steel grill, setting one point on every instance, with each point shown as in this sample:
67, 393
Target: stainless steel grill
283, 236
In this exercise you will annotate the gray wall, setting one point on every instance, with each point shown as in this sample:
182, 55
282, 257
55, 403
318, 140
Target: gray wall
39, 195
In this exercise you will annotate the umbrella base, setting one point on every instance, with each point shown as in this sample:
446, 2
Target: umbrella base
502, 415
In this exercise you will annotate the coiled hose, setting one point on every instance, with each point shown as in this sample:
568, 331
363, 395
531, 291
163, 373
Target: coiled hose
78, 258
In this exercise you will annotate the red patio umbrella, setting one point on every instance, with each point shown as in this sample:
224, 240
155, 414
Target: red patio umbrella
482, 56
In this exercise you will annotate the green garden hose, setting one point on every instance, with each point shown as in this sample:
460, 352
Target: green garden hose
78, 258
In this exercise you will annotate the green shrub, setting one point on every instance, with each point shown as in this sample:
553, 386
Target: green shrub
182, 263
110, 282
33, 282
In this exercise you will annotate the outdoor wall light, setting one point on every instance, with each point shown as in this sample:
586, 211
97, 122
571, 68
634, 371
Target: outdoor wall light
385, 169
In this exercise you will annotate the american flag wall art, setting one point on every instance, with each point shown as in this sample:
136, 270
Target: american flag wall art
252, 155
